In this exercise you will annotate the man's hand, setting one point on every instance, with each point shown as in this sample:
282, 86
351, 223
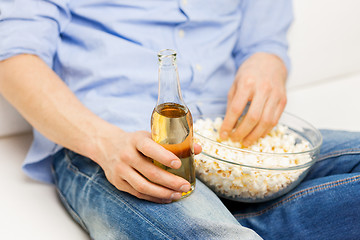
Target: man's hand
260, 79
126, 159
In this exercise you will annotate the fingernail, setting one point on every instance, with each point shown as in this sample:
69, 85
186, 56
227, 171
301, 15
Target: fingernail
246, 143
224, 135
175, 164
185, 188
166, 200
176, 196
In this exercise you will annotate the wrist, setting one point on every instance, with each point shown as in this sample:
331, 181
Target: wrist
101, 141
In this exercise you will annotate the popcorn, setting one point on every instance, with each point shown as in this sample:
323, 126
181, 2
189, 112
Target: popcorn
239, 179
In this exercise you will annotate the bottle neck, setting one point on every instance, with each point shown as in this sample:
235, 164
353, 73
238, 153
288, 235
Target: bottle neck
169, 84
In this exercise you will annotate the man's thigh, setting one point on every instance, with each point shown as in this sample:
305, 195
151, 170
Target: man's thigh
339, 154
107, 213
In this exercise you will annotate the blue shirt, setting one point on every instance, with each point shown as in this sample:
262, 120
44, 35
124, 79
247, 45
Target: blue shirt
105, 51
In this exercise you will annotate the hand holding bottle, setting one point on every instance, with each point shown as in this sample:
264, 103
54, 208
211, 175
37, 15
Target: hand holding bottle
126, 159
158, 167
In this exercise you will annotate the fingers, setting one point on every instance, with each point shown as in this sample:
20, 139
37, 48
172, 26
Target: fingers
264, 125
264, 112
159, 176
251, 119
127, 165
257, 124
154, 151
145, 187
277, 113
138, 170
126, 187
144, 180
197, 148
233, 112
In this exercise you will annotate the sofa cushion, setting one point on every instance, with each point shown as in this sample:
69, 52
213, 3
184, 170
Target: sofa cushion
330, 104
29, 209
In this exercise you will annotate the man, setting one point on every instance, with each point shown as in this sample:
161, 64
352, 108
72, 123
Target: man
84, 75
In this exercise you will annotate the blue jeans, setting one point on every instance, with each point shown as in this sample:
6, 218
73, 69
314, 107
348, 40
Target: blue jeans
326, 205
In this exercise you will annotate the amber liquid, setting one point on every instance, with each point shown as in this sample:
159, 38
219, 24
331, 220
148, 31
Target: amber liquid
172, 128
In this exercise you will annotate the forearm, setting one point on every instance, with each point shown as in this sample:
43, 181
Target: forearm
49, 105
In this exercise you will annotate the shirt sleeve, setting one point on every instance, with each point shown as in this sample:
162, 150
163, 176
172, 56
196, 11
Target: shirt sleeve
263, 28
32, 27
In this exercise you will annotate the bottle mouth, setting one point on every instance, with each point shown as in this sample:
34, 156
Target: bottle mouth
167, 56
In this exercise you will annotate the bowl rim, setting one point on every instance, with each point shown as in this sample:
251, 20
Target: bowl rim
296, 167
313, 149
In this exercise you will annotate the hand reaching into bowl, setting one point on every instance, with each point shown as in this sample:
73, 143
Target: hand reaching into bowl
260, 79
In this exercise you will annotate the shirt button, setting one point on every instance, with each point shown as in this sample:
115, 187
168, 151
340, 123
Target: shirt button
184, 2
181, 33
198, 67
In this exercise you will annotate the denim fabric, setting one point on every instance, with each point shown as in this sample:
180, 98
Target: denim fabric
107, 213
324, 206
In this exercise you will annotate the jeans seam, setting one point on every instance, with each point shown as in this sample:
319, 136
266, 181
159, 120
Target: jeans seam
74, 214
75, 170
349, 151
69, 163
66, 203
300, 194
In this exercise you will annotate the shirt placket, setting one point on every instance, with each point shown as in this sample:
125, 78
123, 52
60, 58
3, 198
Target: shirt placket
183, 43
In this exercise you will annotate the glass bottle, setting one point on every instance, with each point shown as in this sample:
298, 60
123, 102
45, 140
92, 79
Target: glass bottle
171, 120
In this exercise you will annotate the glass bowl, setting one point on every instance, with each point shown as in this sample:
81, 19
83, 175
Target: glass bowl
248, 175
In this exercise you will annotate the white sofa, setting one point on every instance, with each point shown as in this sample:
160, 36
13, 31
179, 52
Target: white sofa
323, 89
